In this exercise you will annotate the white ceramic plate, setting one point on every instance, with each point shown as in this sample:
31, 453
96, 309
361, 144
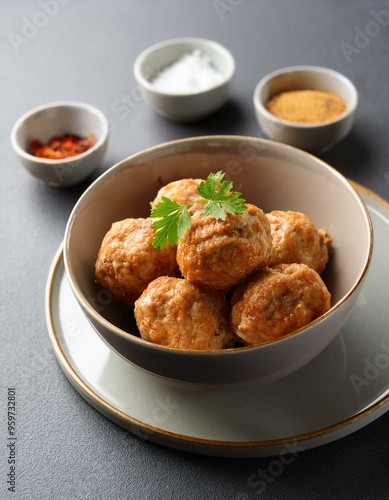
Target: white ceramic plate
343, 389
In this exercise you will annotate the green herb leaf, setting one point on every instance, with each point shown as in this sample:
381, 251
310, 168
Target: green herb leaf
171, 217
214, 182
233, 203
214, 209
222, 199
184, 221
174, 219
165, 207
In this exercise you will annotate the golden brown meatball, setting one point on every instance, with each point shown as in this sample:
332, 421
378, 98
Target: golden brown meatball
127, 261
274, 302
182, 191
218, 254
173, 312
296, 239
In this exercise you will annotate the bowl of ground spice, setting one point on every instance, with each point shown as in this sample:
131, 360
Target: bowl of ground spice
185, 79
308, 107
61, 143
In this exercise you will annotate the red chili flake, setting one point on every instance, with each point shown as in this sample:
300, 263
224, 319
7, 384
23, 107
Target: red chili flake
63, 146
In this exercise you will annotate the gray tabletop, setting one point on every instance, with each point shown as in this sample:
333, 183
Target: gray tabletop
56, 50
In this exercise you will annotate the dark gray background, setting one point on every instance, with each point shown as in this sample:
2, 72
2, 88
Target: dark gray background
85, 51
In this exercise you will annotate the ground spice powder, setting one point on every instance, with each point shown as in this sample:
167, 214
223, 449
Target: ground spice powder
306, 106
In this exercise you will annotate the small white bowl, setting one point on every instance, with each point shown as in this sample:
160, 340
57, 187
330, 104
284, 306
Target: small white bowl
54, 119
190, 106
310, 137
272, 176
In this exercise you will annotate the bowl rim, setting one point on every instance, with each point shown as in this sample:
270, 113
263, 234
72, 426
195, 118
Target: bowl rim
58, 104
144, 82
149, 345
260, 108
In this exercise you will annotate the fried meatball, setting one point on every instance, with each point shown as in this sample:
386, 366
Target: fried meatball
296, 239
173, 312
276, 301
127, 260
218, 254
182, 191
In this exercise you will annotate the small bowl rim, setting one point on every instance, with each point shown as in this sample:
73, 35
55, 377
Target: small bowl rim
142, 80
259, 106
57, 104
89, 310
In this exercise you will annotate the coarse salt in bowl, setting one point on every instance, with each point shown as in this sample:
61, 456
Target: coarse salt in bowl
193, 72
185, 79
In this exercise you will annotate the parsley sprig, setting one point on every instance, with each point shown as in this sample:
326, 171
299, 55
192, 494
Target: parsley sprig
174, 219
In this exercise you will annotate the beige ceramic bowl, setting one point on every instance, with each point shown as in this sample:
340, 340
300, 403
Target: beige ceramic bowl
189, 106
310, 137
271, 175
59, 118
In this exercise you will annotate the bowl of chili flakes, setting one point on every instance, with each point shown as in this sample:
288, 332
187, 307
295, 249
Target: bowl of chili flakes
61, 143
